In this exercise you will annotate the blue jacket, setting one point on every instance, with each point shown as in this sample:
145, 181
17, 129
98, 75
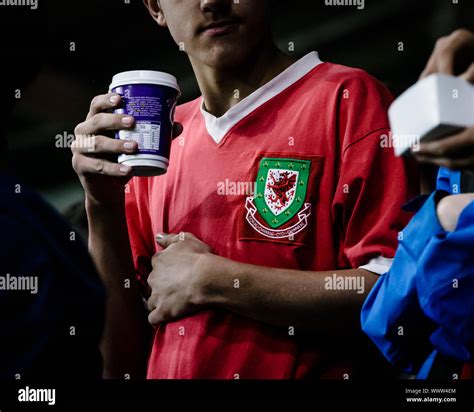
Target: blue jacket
52, 332
424, 306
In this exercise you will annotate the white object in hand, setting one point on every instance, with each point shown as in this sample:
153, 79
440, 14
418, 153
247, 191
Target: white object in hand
435, 107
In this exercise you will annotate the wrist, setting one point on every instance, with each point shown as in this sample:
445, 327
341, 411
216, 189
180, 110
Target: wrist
213, 280
96, 207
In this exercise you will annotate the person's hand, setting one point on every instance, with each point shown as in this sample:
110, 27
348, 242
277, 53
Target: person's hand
102, 178
451, 54
95, 155
177, 279
455, 152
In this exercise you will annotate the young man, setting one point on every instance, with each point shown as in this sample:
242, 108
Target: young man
246, 285
420, 314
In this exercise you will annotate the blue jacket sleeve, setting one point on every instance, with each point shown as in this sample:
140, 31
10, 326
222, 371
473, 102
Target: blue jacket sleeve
445, 284
392, 316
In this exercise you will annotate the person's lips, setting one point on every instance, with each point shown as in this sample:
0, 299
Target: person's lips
219, 28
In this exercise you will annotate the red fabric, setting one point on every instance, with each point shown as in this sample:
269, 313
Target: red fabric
333, 117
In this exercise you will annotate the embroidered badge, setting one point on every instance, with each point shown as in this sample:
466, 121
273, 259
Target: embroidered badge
280, 198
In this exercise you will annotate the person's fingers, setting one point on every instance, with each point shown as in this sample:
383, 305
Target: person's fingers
156, 317
468, 75
104, 121
166, 240
447, 48
102, 144
434, 60
104, 102
442, 61
84, 165
177, 130
453, 164
445, 61
151, 303
430, 68
460, 143
459, 42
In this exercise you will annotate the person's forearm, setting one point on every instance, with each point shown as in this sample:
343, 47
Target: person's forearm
125, 341
323, 303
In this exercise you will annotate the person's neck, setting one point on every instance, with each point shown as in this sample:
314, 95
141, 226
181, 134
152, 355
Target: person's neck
223, 89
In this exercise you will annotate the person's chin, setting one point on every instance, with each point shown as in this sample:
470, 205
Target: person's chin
225, 56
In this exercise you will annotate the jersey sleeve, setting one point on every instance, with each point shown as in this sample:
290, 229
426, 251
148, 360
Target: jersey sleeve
139, 228
373, 184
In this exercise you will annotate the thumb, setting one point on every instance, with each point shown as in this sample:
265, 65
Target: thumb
468, 75
165, 240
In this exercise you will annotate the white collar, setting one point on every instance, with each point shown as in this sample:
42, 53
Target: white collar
219, 127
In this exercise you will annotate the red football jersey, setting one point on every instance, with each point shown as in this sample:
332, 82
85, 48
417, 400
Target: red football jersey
296, 176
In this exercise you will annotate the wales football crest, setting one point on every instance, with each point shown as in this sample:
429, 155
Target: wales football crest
280, 195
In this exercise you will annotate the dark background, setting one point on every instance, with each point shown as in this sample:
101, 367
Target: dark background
116, 35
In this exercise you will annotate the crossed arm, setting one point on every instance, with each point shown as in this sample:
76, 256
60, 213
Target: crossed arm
187, 277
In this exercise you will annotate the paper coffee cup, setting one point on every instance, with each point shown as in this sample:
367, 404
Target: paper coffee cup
150, 97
